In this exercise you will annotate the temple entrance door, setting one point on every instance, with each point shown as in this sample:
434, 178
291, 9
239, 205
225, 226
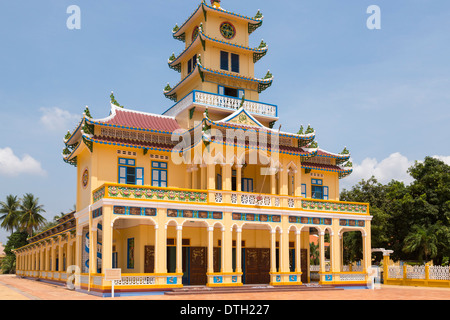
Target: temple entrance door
256, 265
149, 259
304, 264
186, 253
198, 265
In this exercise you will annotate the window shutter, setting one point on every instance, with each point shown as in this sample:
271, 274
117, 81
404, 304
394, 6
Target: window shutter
221, 90
241, 93
235, 63
123, 175
224, 60
189, 66
304, 190
325, 193
140, 176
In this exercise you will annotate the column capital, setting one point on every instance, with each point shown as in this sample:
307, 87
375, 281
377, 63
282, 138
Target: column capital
210, 229
179, 228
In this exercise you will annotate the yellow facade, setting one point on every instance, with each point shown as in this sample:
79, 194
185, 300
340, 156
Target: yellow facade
218, 218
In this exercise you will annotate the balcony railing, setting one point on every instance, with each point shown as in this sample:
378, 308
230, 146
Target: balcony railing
218, 101
233, 198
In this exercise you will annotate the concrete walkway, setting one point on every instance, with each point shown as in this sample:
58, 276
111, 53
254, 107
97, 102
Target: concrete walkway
15, 288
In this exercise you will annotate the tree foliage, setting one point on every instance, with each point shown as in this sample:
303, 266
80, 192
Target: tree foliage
412, 220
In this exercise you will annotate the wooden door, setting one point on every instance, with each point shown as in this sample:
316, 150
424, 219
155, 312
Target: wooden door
149, 259
217, 259
198, 265
304, 264
257, 265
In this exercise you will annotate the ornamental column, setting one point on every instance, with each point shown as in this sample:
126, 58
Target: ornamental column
298, 267
179, 260
322, 252
273, 263
60, 255
156, 257
210, 250
238, 250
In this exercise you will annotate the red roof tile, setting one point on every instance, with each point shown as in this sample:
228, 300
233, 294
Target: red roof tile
140, 120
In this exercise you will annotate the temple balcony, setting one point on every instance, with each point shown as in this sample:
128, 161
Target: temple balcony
246, 200
221, 103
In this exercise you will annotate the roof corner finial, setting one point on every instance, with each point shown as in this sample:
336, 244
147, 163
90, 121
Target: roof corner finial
215, 3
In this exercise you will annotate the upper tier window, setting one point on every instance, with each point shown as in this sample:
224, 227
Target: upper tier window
229, 59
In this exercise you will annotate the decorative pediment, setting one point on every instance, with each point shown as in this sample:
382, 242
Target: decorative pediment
242, 117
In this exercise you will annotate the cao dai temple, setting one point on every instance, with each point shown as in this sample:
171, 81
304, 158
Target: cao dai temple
210, 192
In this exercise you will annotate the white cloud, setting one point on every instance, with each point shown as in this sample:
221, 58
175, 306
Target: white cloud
446, 159
393, 167
58, 119
11, 165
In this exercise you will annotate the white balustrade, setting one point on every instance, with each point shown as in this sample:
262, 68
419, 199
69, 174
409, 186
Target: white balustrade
220, 101
135, 281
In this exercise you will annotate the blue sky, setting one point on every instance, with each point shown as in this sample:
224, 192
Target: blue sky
382, 93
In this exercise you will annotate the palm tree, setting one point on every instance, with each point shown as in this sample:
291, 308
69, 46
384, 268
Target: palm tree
10, 213
314, 253
31, 218
422, 240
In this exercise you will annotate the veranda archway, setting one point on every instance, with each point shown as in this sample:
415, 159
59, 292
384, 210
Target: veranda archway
352, 249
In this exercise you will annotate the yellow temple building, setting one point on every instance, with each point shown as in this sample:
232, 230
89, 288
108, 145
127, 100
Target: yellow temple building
209, 192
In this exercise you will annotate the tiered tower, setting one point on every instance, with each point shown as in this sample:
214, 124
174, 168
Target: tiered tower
217, 66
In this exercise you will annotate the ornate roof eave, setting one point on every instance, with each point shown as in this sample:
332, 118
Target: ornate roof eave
340, 158
93, 140
72, 157
262, 83
76, 134
180, 32
342, 171
202, 38
253, 22
303, 155
176, 63
308, 137
172, 93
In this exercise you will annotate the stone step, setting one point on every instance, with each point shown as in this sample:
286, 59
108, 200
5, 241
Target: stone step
247, 289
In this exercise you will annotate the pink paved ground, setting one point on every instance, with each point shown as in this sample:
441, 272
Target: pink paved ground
14, 288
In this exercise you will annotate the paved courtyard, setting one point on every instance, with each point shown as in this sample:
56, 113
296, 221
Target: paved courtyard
14, 288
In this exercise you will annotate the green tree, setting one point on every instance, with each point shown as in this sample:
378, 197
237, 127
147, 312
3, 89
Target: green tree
314, 253
16, 240
31, 218
9, 213
423, 241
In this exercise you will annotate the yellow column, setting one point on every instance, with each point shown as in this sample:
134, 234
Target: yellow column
222, 251
157, 253
238, 177
194, 177
60, 255
238, 249
163, 252
273, 263
107, 239
298, 267
203, 176
210, 250
335, 250
53, 249
211, 184
179, 266
322, 253
69, 251
273, 182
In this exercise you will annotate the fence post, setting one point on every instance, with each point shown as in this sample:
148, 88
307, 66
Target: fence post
427, 274
404, 274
